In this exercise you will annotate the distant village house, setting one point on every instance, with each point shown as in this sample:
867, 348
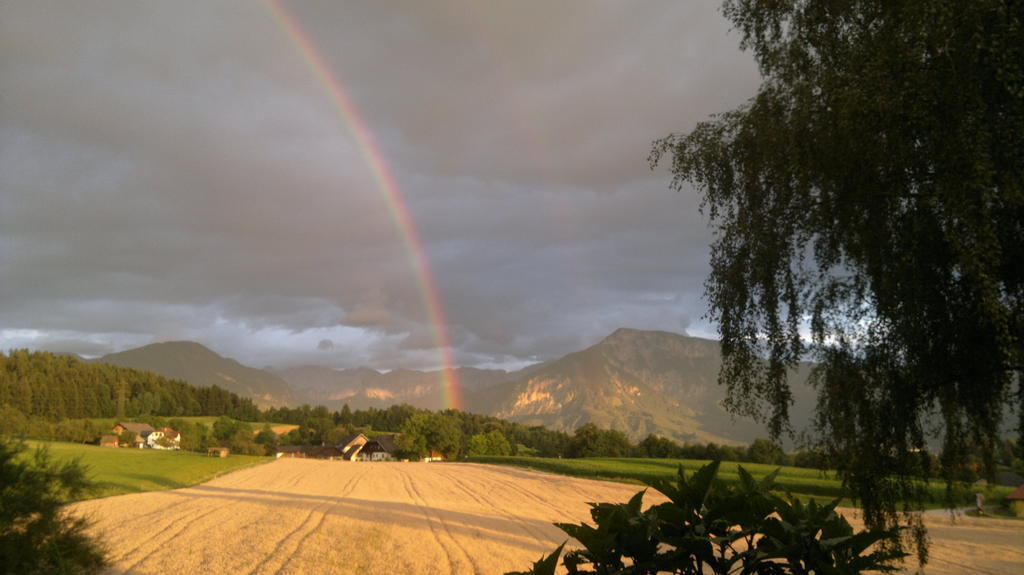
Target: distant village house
109, 441
141, 431
326, 452
164, 438
145, 436
380, 448
351, 446
294, 451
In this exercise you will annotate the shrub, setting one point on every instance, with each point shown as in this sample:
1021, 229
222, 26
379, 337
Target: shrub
127, 438
491, 443
709, 527
36, 535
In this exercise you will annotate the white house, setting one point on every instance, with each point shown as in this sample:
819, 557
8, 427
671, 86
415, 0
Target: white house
172, 439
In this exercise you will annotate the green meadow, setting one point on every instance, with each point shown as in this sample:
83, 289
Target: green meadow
801, 482
121, 471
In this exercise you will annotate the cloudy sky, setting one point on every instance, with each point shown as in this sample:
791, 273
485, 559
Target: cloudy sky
178, 170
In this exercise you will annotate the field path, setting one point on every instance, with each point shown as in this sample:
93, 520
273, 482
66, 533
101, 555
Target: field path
320, 517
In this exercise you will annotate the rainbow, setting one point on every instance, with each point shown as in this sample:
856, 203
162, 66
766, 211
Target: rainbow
382, 175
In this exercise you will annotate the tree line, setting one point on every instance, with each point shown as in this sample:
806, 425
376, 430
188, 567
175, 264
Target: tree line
53, 387
56, 397
458, 434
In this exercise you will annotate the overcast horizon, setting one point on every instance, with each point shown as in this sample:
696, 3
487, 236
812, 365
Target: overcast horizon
178, 171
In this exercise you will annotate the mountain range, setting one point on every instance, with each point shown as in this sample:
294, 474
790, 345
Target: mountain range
636, 381
200, 366
639, 382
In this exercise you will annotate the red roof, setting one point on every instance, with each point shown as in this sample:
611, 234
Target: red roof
1017, 495
168, 432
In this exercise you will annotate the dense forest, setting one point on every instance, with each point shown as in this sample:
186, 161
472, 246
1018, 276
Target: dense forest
54, 387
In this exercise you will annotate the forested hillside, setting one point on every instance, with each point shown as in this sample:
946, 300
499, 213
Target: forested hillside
200, 366
41, 384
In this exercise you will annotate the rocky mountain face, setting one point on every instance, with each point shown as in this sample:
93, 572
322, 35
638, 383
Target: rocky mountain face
639, 382
202, 367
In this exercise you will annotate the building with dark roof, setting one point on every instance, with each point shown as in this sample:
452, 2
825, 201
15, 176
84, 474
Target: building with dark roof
290, 451
351, 445
380, 448
326, 452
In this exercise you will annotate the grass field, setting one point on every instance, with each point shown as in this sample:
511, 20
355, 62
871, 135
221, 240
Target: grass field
120, 471
803, 483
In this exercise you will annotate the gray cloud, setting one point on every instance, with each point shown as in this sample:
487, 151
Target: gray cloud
177, 171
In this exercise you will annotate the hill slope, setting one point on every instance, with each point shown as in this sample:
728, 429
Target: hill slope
40, 384
199, 366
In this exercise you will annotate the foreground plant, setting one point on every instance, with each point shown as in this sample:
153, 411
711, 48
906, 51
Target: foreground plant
37, 536
709, 527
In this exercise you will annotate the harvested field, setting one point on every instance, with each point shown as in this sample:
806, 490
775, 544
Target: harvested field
320, 517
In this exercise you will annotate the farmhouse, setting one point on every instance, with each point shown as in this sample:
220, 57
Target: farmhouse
109, 441
141, 430
351, 448
327, 452
145, 436
164, 438
352, 442
297, 451
380, 448
345, 450
351, 445
217, 451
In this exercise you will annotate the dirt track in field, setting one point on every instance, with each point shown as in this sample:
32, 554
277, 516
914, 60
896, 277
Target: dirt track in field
321, 517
